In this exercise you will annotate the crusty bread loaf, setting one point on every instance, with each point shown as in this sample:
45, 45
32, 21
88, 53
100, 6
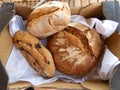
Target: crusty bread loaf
35, 53
48, 19
76, 49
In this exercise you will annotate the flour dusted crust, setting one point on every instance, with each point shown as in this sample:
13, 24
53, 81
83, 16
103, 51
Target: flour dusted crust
48, 19
76, 49
35, 53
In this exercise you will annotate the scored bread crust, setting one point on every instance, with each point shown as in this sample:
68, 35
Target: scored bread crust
35, 53
76, 49
48, 19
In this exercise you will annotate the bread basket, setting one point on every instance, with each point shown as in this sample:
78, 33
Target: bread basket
87, 8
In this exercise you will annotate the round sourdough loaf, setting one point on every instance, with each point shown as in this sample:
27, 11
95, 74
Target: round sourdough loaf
48, 19
76, 49
35, 53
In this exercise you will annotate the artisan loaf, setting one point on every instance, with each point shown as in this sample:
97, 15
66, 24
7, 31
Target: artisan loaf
48, 19
76, 49
35, 53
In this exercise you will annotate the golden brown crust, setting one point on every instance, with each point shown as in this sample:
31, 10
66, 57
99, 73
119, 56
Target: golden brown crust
94, 39
48, 19
74, 51
40, 12
35, 53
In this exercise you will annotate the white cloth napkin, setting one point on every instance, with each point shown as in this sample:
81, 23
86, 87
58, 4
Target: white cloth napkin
105, 27
19, 70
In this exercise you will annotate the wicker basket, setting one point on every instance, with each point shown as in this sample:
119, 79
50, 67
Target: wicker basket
72, 3
80, 3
